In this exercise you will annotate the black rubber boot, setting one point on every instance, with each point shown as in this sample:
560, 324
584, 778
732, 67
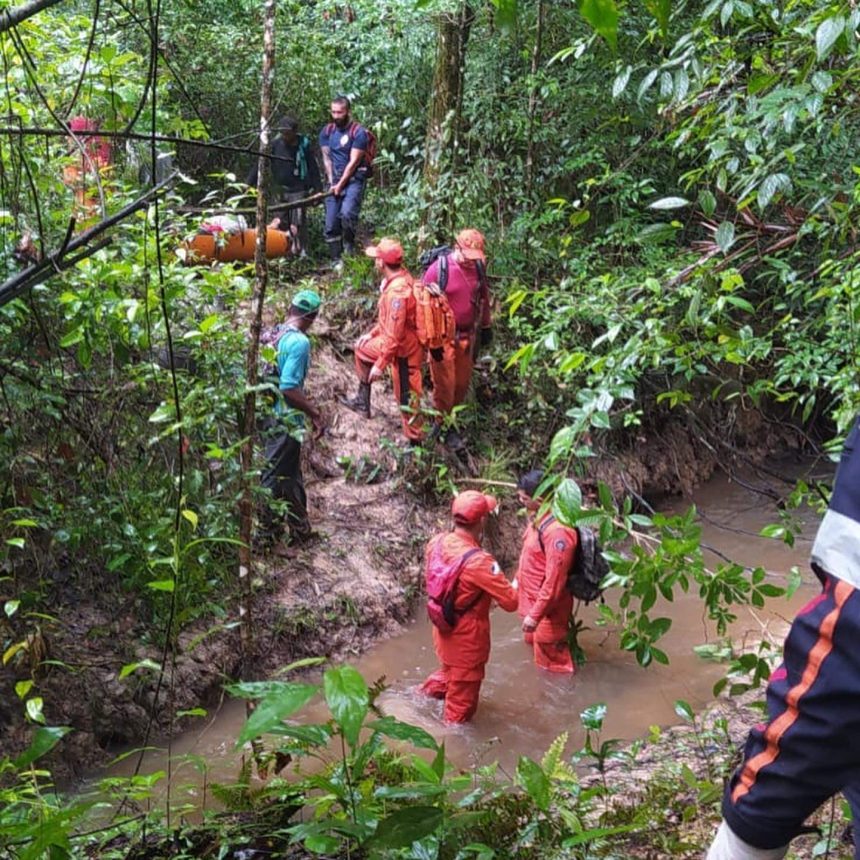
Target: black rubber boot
361, 402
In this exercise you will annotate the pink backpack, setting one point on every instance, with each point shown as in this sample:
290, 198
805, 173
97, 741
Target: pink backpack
441, 579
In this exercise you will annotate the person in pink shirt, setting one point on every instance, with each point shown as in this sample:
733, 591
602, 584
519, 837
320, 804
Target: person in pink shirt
462, 274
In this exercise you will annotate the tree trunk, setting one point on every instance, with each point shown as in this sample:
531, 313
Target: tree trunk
246, 503
444, 122
533, 98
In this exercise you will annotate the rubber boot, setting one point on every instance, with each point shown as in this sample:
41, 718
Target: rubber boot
361, 402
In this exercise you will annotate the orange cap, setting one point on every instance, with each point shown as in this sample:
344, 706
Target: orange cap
390, 251
471, 244
472, 506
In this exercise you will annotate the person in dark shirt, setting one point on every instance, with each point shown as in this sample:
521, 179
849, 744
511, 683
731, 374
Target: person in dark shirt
295, 173
344, 146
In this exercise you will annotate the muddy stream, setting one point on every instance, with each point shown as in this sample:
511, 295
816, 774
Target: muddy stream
522, 711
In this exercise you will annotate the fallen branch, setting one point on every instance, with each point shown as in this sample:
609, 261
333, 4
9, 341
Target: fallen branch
60, 259
248, 210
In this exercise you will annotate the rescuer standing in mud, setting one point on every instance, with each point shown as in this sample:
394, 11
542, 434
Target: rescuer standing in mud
545, 604
464, 650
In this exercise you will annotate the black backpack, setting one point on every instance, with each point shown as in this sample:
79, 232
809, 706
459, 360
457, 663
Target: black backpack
589, 566
441, 253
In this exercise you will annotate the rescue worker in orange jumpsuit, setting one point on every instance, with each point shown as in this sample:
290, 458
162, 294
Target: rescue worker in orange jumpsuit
393, 342
93, 158
463, 276
464, 652
545, 604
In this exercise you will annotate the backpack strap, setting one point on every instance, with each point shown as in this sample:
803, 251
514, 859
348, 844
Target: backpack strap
548, 521
302, 156
460, 565
443, 271
482, 292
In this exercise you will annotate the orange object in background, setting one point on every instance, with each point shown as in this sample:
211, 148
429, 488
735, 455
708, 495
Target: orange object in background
237, 246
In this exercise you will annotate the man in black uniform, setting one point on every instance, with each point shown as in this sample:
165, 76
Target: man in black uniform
296, 174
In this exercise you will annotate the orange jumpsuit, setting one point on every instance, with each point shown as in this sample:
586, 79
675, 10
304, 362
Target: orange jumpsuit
394, 341
470, 303
541, 579
80, 174
464, 652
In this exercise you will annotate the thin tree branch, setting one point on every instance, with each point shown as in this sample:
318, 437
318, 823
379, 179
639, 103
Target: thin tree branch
11, 17
17, 284
133, 135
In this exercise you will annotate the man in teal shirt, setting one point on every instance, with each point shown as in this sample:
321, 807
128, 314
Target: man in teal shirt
284, 432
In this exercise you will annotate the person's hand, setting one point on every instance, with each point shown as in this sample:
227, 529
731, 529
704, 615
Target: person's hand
337, 189
529, 624
514, 584
375, 373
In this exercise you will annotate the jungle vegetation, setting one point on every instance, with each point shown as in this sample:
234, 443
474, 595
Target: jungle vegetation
670, 192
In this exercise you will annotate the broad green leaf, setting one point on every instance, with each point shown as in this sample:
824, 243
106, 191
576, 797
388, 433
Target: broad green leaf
162, 585
22, 688
321, 843
829, 30
405, 826
660, 9
44, 740
17, 542
347, 698
603, 17
669, 203
393, 728
209, 323
561, 444
646, 83
73, 337
190, 516
592, 717
10, 607
141, 664
621, 81
34, 709
682, 85
534, 781
773, 183
567, 502
275, 708
725, 236
708, 203
684, 711
654, 234
165, 412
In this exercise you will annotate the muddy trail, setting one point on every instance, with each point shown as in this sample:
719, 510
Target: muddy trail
373, 504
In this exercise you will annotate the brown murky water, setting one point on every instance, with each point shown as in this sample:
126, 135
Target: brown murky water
522, 710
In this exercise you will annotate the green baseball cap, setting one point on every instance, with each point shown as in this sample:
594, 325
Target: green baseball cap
307, 301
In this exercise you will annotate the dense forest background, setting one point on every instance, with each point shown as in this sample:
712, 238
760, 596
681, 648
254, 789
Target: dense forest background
669, 193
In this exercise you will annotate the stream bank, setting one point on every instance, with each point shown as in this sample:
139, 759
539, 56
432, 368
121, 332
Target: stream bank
356, 584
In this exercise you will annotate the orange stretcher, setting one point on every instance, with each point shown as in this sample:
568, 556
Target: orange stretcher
237, 246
